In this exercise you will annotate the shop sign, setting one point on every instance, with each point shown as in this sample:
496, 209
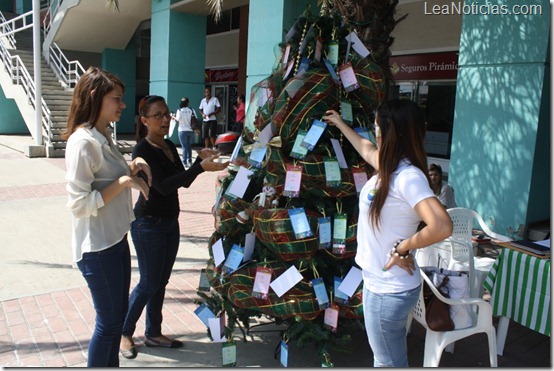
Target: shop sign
222, 75
431, 66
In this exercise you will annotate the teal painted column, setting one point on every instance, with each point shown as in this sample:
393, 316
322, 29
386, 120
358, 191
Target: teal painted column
123, 64
177, 56
268, 23
11, 121
500, 162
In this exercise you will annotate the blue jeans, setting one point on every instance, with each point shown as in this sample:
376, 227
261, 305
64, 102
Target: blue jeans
186, 138
385, 317
108, 275
156, 242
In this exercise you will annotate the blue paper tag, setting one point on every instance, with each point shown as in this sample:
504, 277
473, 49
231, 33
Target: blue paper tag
321, 293
313, 135
203, 313
300, 223
340, 297
284, 354
233, 259
324, 232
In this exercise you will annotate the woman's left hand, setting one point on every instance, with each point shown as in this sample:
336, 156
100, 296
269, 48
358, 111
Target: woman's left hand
407, 264
138, 165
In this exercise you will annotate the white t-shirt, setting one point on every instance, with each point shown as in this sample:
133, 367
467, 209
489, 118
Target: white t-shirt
398, 221
446, 196
183, 118
209, 107
93, 162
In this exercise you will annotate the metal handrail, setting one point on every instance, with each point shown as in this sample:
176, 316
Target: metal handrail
53, 7
9, 28
19, 74
67, 71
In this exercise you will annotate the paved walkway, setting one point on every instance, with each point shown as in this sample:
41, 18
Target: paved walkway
47, 317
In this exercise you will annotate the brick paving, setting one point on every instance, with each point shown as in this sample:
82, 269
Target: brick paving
53, 329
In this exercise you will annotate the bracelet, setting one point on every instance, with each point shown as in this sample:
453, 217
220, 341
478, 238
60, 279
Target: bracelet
394, 251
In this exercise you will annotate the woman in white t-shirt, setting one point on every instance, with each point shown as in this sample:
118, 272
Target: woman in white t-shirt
186, 134
392, 204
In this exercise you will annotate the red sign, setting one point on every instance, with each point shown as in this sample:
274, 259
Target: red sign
223, 75
431, 66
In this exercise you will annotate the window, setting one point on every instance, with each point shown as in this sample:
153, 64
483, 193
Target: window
230, 20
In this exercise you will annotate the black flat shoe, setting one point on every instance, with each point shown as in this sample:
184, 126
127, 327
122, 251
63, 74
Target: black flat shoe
129, 353
149, 342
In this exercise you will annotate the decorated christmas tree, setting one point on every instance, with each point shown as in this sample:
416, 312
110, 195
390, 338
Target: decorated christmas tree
286, 212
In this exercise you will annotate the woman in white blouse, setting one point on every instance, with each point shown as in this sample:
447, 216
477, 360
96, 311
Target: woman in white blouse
99, 183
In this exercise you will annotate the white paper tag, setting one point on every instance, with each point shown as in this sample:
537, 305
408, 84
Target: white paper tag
293, 180
241, 182
286, 281
217, 328
218, 252
357, 44
351, 282
360, 178
265, 135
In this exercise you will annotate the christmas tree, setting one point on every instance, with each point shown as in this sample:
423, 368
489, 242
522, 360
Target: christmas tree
287, 210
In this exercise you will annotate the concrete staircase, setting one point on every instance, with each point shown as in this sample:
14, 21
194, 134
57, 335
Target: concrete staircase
54, 94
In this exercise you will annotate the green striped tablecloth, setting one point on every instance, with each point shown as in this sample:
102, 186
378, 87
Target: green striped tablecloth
520, 289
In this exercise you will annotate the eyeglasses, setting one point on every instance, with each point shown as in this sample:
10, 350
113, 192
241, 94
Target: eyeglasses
159, 115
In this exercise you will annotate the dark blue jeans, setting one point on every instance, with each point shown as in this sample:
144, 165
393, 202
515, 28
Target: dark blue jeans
108, 275
156, 242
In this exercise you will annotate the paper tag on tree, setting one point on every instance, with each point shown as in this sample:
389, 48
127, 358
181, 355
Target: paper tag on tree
218, 252
293, 180
217, 328
351, 282
332, 172
233, 259
229, 354
204, 313
204, 283
333, 52
320, 293
318, 48
257, 155
284, 359
300, 223
249, 244
331, 70
339, 297
331, 318
339, 234
339, 153
346, 111
362, 132
286, 281
348, 77
298, 151
261, 282
324, 224
241, 182
357, 44
236, 150
360, 178
313, 135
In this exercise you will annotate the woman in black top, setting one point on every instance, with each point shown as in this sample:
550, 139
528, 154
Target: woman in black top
155, 231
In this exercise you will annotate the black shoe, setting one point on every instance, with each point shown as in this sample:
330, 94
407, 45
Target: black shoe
129, 353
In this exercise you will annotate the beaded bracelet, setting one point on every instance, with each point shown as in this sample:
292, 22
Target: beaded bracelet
394, 251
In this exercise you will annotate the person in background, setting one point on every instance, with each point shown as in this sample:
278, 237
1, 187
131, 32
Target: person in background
186, 134
239, 120
209, 108
99, 183
441, 189
392, 204
155, 231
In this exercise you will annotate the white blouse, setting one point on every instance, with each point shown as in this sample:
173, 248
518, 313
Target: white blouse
93, 162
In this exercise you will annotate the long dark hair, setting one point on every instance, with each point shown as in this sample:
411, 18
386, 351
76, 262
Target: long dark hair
402, 125
86, 103
143, 107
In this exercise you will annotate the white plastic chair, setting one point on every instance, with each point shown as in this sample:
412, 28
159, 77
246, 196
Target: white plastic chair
462, 253
437, 341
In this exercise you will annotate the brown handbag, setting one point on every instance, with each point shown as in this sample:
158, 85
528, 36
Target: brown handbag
437, 312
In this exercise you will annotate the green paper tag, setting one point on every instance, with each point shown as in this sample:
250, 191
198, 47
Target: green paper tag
332, 172
339, 234
346, 111
298, 151
229, 354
